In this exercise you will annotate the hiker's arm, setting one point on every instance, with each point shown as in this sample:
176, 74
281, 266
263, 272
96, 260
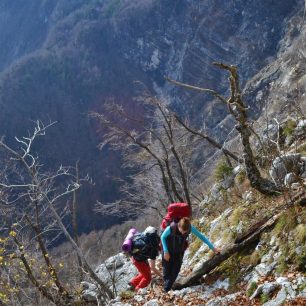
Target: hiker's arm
197, 233
163, 238
153, 267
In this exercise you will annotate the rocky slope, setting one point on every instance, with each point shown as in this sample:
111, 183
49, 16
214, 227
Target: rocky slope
270, 271
61, 59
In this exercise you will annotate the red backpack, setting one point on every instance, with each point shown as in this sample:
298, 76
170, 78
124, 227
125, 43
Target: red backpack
176, 211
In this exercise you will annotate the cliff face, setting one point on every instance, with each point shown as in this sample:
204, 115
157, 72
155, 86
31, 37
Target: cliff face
60, 60
23, 27
279, 88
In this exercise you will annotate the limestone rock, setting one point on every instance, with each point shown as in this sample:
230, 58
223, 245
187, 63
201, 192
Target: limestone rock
222, 301
265, 288
289, 179
152, 303
248, 196
138, 298
117, 268
285, 164
89, 291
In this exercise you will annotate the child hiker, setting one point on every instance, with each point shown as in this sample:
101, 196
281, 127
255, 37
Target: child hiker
174, 244
145, 249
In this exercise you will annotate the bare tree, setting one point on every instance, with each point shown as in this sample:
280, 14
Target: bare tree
33, 196
208, 138
238, 110
74, 221
162, 150
159, 150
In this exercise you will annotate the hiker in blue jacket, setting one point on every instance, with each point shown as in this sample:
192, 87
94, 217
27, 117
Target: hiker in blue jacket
174, 245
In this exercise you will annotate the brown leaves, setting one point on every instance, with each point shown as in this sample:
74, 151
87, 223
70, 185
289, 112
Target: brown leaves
194, 298
300, 301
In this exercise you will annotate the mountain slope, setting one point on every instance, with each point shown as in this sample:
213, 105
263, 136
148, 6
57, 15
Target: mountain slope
66, 59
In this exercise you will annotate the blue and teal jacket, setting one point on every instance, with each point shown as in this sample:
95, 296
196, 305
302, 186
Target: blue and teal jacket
173, 241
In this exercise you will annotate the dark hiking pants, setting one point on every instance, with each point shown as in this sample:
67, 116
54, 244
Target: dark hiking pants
171, 270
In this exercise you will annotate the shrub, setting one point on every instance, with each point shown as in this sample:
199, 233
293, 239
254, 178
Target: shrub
300, 233
289, 127
264, 298
285, 224
223, 169
237, 216
127, 294
255, 258
194, 247
301, 262
282, 265
251, 289
302, 149
241, 176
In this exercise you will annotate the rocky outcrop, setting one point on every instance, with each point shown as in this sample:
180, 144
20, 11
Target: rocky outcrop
280, 85
116, 271
287, 290
288, 169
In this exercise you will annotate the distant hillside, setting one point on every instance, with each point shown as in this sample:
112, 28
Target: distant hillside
61, 59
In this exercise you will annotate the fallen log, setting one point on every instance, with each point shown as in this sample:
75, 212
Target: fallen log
251, 231
246, 240
207, 266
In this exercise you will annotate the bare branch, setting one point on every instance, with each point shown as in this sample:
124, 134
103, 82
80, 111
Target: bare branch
205, 90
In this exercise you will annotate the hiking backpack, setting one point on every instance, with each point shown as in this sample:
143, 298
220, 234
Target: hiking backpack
144, 246
176, 211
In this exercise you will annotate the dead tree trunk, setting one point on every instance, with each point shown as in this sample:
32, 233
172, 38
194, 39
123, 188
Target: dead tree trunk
261, 184
75, 223
238, 110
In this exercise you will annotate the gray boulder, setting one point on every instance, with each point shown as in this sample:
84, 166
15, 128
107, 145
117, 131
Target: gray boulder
228, 181
117, 270
152, 303
215, 192
248, 196
286, 293
284, 165
89, 291
289, 179
266, 288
